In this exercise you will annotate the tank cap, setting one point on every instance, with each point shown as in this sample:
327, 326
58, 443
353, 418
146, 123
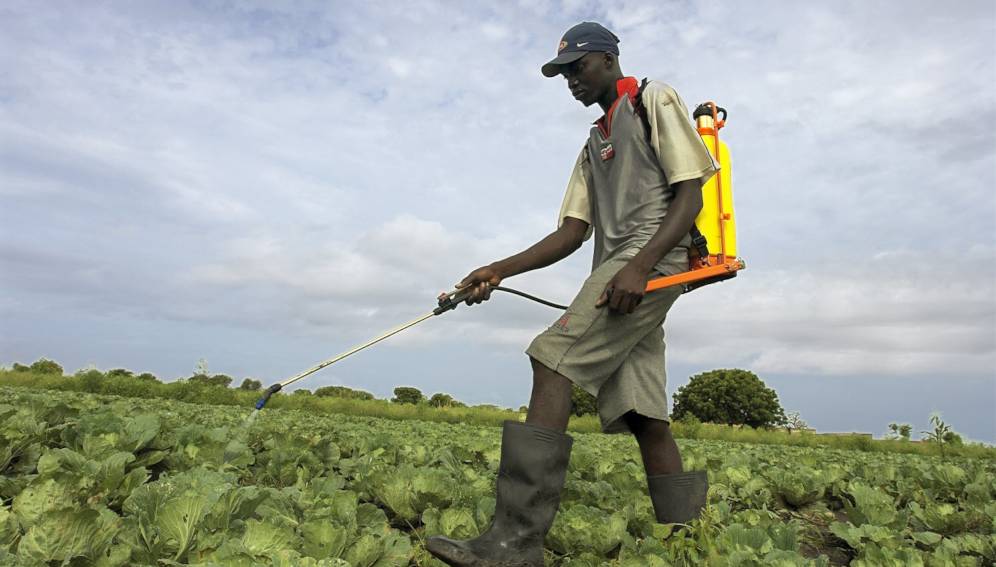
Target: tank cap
705, 109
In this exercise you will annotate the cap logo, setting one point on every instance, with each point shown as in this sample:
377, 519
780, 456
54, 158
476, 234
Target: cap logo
562, 46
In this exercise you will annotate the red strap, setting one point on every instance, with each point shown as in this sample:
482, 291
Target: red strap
624, 86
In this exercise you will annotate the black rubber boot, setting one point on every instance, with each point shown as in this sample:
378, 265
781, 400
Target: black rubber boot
530, 478
678, 498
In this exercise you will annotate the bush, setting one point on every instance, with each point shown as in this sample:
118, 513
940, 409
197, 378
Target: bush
441, 400
407, 395
90, 380
582, 403
343, 392
733, 397
251, 385
45, 366
216, 380
688, 425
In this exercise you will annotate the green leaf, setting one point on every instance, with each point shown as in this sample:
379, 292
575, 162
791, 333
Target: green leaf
929, 539
396, 551
858, 536
64, 534
8, 527
115, 556
263, 538
458, 523
139, 431
742, 538
179, 519
364, 552
323, 539
871, 506
170, 510
39, 498
584, 528
370, 517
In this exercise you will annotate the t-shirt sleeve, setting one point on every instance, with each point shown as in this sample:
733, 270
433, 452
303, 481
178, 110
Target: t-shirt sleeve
576, 203
679, 148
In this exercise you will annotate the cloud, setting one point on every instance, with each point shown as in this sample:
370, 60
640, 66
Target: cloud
881, 317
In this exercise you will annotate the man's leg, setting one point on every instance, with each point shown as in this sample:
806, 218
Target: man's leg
657, 447
550, 403
677, 496
531, 475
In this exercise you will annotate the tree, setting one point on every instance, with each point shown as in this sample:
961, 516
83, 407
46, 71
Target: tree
45, 366
730, 396
343, 392
201, 368
942, 434
119, 372
793, 420
441, 400
18, 367
223, 380
147, 377
407, 395
900, 431
250, 384
582, 403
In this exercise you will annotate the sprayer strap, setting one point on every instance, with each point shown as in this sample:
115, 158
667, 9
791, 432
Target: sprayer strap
698, 239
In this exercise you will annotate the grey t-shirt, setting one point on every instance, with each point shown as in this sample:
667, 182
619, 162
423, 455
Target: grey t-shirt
621, 185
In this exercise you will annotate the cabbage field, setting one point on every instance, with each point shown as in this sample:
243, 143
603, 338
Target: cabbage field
98, 480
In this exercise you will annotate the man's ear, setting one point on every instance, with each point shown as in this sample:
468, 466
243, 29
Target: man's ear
609, 60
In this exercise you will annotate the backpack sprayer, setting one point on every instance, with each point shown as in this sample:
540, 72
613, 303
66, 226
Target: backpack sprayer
711, 258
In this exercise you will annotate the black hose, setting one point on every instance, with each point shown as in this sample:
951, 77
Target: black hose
527, 296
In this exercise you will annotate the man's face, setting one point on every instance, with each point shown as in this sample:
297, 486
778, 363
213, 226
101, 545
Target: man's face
588, 78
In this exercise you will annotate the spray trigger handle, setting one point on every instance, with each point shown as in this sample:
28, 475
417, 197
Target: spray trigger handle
451, 301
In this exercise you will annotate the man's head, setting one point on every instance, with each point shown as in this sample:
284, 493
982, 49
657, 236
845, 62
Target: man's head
588, 58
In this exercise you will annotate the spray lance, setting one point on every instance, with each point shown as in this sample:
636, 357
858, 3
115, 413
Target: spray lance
447, 302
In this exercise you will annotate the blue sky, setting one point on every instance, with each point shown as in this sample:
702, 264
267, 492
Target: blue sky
266, 185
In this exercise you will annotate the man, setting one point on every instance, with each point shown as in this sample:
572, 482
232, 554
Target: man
638, 192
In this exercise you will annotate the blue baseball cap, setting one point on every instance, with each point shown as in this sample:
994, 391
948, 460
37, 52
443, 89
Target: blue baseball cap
578, 42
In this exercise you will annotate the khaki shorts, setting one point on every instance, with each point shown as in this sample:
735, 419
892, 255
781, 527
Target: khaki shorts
617, 358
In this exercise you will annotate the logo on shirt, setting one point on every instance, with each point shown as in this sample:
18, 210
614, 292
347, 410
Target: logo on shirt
562, 323
607, 152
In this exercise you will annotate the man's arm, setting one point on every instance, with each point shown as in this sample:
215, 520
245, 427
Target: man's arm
554, 247
625, 291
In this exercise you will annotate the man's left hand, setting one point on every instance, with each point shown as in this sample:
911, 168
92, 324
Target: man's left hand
625, 290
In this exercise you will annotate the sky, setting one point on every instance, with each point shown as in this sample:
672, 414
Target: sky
265, 185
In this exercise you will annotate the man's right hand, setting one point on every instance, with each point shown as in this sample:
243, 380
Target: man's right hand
479, 283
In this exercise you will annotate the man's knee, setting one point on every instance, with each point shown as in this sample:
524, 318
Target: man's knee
643, 426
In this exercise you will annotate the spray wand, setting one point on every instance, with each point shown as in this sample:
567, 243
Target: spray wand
448, 302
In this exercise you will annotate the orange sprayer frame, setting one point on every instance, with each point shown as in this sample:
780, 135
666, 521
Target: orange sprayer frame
715, 265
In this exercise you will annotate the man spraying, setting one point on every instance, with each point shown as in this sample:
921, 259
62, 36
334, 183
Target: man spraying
636, 190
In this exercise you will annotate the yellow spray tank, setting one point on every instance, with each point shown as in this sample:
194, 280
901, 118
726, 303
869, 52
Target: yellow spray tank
715, 259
